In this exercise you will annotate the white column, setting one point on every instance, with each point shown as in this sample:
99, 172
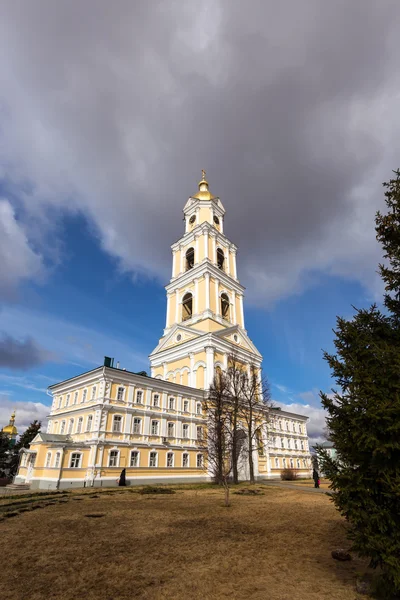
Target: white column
165, 371
173, 262
192, 381
216, 297
210, 366
176, 306
196, 296
241, 309
207, 280
182, 258
196, 249
228, 262
166, 318
128, 424
234, 308
206, 244
234, 264
214, 243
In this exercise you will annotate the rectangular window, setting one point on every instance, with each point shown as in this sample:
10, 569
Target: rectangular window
57, 461
94, 389
62, 428
287, 425
79, 427
59, 402
48, 460
75, 460
113, 458
171, 403
284, 463
154, 428
70, 426
117, 424
153, 459
67, 399
134, 458
185, 431
185, 460
302, 444
295, 444
282, 443
186, 406
198, 408
170, 459
139, 397
170, 430
298, 464
156, 400
84, 395
199, 433
199, 461
291, 463
136, 425
75, 397
120, 393
277, 462
288, 443
89, 423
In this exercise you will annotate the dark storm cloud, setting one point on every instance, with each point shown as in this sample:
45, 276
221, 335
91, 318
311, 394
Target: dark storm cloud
21, 354
113, 109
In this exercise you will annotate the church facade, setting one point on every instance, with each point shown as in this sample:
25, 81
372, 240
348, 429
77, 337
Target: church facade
109, 418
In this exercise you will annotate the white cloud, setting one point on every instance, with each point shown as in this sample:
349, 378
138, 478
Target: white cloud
316, 423
18, 261
25, 413
116, 119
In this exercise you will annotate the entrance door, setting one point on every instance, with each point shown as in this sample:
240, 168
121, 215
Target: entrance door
31, 466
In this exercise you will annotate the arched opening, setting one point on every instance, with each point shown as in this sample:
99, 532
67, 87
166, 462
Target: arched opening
220, 259
189, 259
187, 306
225, 306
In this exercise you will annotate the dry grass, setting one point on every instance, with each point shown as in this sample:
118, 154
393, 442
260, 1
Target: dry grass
275, 546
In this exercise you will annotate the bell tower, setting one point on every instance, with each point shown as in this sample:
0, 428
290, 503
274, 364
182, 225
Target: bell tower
205, 317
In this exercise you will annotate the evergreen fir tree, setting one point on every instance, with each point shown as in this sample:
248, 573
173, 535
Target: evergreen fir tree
5, 447
364, 414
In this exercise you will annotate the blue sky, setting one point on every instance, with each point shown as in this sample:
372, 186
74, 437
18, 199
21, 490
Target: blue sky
87, 308
107, 117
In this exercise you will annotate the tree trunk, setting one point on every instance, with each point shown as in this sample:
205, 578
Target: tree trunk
235, 472
226, 487
251, 462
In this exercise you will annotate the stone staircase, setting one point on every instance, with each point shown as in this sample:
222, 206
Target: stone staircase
18, 486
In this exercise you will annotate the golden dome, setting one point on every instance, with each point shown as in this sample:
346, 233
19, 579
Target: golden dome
10, 429
204, 192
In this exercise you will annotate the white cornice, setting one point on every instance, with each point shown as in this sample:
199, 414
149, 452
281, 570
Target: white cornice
201, 229
199, 270
198, 344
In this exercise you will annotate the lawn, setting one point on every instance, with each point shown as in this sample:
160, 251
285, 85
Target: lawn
275, 546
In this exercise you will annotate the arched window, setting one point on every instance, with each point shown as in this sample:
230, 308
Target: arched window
220, 259
189, 258
225, 306
48, 460
70, 426
187, 306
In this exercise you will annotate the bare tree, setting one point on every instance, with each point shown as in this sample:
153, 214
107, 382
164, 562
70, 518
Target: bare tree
217, 438
254, 412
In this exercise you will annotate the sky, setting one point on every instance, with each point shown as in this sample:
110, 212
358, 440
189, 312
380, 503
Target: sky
108, 113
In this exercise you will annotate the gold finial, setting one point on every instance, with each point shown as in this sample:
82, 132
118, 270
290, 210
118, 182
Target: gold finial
203, 174
204, 192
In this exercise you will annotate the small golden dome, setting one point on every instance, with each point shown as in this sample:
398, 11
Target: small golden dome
10, 429
204, 192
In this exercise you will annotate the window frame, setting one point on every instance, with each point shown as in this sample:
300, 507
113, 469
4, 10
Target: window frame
225, 306
117, 419
139, 424
171, 401
89, 423
113, 454
48, 461
170, 455
171, 427
57, 460
199, 463
119, 388
156, 400
79, 425
73, 457
155, 428
220, 255
187, 306
71, 424
187, 455
186, 406
185, 431
84, 396
152, 454
139, 397
137, 453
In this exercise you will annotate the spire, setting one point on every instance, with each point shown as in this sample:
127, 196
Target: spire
204, 192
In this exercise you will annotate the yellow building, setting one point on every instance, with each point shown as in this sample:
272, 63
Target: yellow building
108, 419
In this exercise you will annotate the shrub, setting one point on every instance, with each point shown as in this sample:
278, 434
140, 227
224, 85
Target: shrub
288, 474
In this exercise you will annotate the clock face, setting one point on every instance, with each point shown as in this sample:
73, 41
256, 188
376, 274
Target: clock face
192, 219
216, 220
